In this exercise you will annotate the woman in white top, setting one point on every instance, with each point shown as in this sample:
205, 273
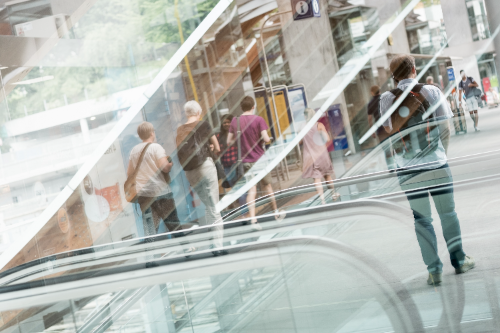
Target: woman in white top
153, 191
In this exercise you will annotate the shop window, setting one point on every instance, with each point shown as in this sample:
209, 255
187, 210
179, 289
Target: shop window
478, 19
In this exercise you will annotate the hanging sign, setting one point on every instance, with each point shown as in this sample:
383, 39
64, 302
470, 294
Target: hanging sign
303, 9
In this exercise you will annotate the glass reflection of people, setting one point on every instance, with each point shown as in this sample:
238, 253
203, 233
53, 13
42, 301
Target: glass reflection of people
202, 177
253, 135
374, 112
153, 190
492, 97
436, 174
430, 80
229, 153
467, 85
316, 162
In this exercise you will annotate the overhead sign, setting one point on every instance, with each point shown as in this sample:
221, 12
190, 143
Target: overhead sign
303, 9
451, 74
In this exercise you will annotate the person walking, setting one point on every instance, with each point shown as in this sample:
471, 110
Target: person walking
228, 154
153, 191
430, 80
193, 149
316, 162
429, 168
253, 134
467, 85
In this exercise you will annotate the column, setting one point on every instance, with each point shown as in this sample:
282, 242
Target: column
493, 12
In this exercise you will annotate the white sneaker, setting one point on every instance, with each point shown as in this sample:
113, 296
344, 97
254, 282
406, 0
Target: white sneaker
468, 264
477, 129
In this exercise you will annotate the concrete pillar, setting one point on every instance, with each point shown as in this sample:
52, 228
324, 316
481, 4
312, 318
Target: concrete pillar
310, 52
493, 12
386, 9
456, 22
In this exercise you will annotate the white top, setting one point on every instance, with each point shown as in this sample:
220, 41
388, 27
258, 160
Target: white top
150, 181
435, 97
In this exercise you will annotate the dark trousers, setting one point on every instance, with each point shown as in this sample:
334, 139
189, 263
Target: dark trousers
162, 208
440, 182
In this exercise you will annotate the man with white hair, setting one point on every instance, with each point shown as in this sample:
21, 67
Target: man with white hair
193, 150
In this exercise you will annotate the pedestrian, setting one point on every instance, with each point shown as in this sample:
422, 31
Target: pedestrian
316, 162
253, 135
467, 85
430, 80
492, 97
429, 167
228, 154
193, 140
153, 191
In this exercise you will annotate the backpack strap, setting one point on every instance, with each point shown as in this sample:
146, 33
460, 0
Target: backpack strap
397, 92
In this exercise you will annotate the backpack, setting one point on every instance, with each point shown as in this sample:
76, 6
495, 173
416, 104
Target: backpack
192, 152
424, 139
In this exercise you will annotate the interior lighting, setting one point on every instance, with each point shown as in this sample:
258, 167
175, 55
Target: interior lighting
92, 118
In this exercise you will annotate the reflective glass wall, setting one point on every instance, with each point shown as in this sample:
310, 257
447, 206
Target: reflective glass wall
80, 78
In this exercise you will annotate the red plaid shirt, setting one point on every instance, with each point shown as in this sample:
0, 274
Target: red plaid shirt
229, 155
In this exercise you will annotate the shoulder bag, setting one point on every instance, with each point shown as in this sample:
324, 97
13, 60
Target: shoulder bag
130, 184
239, 164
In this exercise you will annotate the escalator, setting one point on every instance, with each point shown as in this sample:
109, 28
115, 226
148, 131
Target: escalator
246, 279
263, 282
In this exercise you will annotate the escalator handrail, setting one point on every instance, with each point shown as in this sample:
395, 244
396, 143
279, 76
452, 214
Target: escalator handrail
156, 238
387, 209
379, 175
66, 291
456, 161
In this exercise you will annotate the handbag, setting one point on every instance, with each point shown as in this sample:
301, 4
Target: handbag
166, 175
477, 92
221, 174
130, 184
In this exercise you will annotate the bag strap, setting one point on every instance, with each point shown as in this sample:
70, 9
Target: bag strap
238, 138
134, 174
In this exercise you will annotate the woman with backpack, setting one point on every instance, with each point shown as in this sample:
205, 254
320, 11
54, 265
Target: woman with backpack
193, 140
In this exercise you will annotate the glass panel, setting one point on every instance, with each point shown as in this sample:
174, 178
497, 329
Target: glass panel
146, 137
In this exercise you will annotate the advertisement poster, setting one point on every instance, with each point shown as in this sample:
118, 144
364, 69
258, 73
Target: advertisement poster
262, 109
337, 127
284, 117
298, 104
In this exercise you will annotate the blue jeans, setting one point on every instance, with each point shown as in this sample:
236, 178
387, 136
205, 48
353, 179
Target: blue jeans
441, 182
230, 175
232, 180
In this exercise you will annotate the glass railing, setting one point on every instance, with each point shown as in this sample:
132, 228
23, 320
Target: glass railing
307, 267
84, 86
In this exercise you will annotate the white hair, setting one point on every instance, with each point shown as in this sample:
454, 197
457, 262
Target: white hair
429, 78
192, 109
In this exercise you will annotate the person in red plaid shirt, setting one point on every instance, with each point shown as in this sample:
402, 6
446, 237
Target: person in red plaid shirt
229, 155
